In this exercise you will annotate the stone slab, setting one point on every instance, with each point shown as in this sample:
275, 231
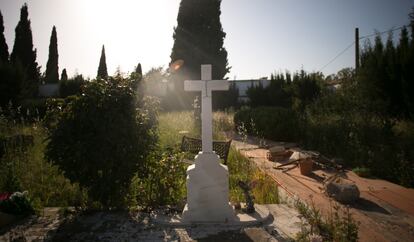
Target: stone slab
260, 217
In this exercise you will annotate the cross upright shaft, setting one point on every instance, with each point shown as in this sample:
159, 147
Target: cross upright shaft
206, 86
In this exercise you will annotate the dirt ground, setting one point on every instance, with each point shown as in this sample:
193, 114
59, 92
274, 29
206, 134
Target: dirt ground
385, 211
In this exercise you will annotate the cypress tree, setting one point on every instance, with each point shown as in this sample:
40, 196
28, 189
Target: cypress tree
24, 56
198, 39
52, 68
4, 50
64, 75
102, 71
138, 70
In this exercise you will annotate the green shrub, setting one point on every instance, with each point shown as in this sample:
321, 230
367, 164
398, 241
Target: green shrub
362, 171
34, 108
71, 86
17, 204
274, 123
338, 226
103, 138
23, 167
163, 184
263, 187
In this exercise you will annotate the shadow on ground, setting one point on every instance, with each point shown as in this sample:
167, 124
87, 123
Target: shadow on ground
369, 206
109, 226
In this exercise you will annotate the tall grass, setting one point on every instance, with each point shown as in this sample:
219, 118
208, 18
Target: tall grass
172, 127
24, 168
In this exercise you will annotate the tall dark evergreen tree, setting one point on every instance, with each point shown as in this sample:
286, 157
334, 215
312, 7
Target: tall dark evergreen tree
198, 39
24, 56
102, 71
4, 50
138, 70
52, 68
64, 75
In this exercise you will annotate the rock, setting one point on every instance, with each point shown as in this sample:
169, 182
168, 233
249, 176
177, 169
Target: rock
297, 155
277, 149
341, 191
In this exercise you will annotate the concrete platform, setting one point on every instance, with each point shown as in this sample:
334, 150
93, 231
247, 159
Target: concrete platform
261, 216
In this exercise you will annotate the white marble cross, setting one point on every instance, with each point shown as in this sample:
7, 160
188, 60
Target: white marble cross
206, 86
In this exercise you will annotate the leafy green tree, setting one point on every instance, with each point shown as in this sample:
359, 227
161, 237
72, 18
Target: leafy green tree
23, 56
52, 68
4, 49
198, 39
72, 86
103, 137
11, 79
64, 75
102, 70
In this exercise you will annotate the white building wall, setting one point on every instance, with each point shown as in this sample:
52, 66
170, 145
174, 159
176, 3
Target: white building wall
244, 85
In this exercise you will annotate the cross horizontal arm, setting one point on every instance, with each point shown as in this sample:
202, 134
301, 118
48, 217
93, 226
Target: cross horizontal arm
192, 86
218, 85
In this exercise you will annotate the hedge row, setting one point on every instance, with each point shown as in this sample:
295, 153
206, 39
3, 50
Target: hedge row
270, 122
360, 140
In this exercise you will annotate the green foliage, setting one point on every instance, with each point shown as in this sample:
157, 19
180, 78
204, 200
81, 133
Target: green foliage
340, 226
102, 71
17, 204
263, 187
23, 56
362, 171
33, 109
4, 49
23, 166
52, 68
240, 168
385, 77
64, 75
283, 92
164, 182
103, 138
222, 100
72, 86
138, 70
198, 39
11, 81
270, 122
173, 125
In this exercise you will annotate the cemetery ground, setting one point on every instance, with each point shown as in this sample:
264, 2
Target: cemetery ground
298, 205
67, 223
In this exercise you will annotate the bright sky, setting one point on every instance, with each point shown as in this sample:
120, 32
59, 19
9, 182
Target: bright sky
263, 36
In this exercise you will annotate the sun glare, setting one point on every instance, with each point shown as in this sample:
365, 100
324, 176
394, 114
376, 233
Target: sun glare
130, 30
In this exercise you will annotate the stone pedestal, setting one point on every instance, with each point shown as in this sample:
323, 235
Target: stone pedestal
208, 191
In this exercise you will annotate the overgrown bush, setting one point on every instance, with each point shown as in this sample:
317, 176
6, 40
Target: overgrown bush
71, 86
339, 128
17, 204
103, 138
23, 166
263, 188
270, 122
163, 184
339, 226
